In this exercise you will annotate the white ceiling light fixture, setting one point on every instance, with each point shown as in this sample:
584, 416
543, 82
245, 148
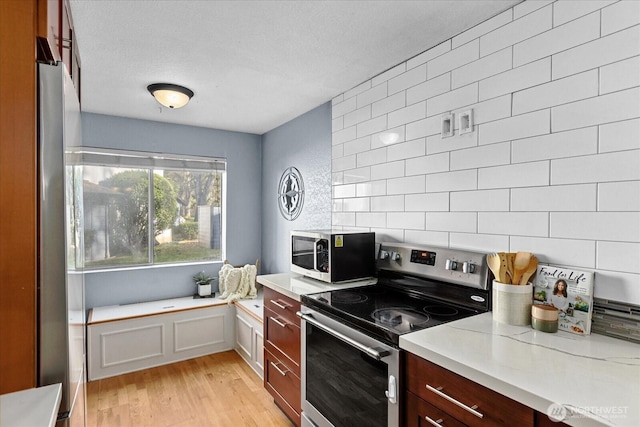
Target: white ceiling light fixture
170, 95
389, 138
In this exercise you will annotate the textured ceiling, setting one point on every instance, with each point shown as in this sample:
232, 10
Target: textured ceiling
253, 65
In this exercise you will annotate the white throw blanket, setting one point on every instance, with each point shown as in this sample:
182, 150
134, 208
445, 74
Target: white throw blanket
237, 282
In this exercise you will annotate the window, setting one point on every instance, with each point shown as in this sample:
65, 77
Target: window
142, 209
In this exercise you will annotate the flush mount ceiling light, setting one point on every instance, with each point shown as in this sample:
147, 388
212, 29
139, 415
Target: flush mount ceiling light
170, 95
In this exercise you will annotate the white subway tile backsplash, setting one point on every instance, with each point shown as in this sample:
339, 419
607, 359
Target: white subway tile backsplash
620, 15
608, 108
620, 75
357, 145
620, 136
363, 87
406, 185
356, 204
427, 202
516, 127
479, 242
389, 74
341, 108
406, 220
425, 127
343, 163
489, 110
372, 157
429, 89
572, 143
388, 170
456, 98
605, 50
371, 188
512, 176
535, 224
462, 222
613, 226
564, 37
451, 60
567, 198
578, 253
407, 79
388, 104
371, 219
483, 156
526, 7
428, 55
377, 124
436, 238
352, 176
357, 116
452, 181
406, 150
437, 144
482, 68
427, 164
336, 205
337, 100
337, 151
379, 140
617, 286
516, 31
483, 28
619, 196
337, 124
557, 92
618, 166
342, 191
408, 114
343, 219
480, 200
565, 11
344, 135
388, 235
337, 178
523, 77
372, 95
619, 256
388, 204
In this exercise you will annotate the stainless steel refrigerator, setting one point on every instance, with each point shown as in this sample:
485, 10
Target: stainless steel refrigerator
61, 324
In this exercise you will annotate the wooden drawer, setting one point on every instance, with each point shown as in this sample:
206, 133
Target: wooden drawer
496, 409
284, 385
282, 338
282, 305
417, 413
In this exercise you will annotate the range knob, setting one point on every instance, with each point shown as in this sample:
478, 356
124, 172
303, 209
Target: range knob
384, 254
450, 265
395, 256
468, 267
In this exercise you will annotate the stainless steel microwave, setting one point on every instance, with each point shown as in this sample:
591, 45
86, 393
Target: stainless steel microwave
333, 256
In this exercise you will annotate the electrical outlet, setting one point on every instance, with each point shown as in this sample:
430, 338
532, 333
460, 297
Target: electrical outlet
447, 125
465, 122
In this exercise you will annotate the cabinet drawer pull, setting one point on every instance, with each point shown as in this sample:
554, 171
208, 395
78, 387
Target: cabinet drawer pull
277, 322
436, 423
279, 304
471, 409
280, 371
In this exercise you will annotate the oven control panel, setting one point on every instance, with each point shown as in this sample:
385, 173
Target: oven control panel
451, 265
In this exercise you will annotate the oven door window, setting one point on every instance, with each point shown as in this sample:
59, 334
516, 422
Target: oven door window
344, 384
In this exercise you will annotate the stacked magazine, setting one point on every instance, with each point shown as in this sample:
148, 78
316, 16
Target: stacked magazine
571, 292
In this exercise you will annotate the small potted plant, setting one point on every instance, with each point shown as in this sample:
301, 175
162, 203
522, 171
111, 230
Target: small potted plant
203, 281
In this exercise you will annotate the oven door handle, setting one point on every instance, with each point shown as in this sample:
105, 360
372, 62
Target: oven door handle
376, 354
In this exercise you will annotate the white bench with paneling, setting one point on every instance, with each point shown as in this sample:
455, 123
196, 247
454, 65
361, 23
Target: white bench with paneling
249, 336
131, 337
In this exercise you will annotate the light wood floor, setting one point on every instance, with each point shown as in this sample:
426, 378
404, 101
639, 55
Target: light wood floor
215, 390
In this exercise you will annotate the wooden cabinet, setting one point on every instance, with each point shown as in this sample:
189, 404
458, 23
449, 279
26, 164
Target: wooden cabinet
282, 352
249, 339
445, 395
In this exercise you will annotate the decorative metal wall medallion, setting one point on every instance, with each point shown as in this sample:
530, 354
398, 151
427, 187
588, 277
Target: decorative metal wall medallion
291, 193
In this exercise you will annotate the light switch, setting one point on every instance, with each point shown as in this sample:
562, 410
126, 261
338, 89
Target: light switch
447, 125
465, 121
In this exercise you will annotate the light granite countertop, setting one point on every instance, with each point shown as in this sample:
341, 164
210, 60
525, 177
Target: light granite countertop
295, 285
595, 379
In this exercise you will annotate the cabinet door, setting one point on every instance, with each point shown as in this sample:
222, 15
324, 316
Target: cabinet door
259, 350
419, 413
283, 339
284, 385
244, 337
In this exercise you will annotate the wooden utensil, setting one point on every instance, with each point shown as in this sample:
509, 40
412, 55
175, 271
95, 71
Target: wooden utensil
530, 270
504, 267
520, 264
510, 259
495, 265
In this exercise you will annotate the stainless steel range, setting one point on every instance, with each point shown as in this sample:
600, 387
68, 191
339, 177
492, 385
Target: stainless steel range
350, 354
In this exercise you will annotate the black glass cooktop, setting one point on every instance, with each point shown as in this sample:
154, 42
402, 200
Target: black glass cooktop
384, 311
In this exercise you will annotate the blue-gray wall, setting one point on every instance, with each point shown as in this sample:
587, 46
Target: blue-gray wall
305, 143
244, 176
